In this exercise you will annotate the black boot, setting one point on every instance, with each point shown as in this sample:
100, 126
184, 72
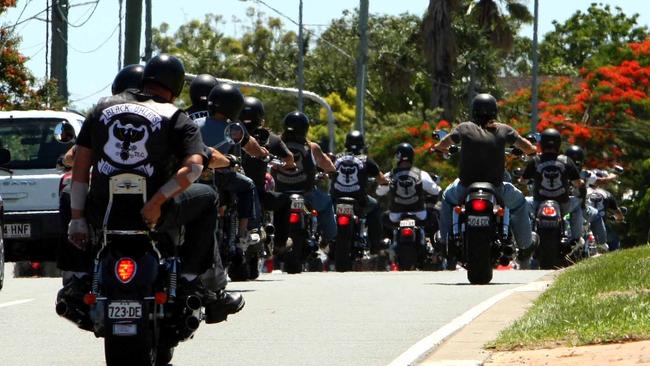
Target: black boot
224, 304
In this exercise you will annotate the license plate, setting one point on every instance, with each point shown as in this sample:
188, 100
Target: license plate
298, 205
407, 223
344, 209
17, 231
480, 221
548, 223
124, 310
125, 329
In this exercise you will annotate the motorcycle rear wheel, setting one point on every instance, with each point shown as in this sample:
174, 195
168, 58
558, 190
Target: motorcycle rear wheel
548, 252
293, 256
479, 257
135, 350
342, 249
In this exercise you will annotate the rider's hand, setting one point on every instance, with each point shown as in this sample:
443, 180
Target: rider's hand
150, 213
265, 152
234, 160
78, 233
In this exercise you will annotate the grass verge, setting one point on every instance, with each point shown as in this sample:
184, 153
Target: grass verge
600, 300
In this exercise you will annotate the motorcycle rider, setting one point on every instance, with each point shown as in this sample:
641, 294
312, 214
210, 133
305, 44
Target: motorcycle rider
165, 146
407, 185
225, 103
308, 156
482, 156
551, 173
353, 168
594, 216
252, 116
200, 87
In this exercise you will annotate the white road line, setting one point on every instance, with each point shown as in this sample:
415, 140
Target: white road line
427, 344
17, 302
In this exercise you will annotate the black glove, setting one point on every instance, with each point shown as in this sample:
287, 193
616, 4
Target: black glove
516, 151
234, 160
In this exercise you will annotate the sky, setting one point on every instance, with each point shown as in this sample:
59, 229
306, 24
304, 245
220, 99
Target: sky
93, 35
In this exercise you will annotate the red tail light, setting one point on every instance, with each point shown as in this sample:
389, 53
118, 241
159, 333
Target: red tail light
407, 231
160, 297
125, 269
479, 205
90, 299
294, 218
548, 211
36, 266
343, 220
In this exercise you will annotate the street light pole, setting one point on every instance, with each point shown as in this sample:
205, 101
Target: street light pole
362, 59
301, 76
534, 112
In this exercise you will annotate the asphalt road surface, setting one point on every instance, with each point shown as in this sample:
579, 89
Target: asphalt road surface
361, 318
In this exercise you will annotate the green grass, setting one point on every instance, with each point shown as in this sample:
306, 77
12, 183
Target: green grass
600, 300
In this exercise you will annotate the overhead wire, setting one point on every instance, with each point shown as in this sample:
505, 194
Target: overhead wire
67, 20
94, 49
92, 94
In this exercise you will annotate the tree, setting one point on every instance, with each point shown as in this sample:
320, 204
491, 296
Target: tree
595, 32
18, 87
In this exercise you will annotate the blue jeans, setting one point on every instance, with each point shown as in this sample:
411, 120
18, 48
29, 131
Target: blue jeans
596, 223
322, 202
573, 206
248, 203
512, 198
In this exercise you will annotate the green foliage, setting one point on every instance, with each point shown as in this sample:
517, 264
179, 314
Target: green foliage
587, 34
600, 300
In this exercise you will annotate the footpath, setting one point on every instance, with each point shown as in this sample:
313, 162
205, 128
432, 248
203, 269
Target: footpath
465, 347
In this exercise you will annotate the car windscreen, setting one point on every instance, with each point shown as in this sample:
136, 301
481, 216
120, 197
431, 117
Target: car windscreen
31, 142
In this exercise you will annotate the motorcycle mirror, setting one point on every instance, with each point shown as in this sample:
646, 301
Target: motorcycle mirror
623, 210
518, 172
618, 169
234, 133
439, 134
453, 149
5, 156
64, 132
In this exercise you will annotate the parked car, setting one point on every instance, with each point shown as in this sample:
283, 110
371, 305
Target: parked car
32, 227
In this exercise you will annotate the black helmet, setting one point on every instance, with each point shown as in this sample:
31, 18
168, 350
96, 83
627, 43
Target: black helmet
253, 113
484, 109
130, 77
404, 152
224, 98
296, 123
167, 71
354, 142
576, 154
200, 87
550, 139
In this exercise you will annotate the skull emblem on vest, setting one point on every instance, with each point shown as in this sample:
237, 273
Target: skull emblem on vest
126, 143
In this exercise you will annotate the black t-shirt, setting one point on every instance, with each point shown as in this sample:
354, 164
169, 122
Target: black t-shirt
551, 174
255, 168
352, 172
132, 132
482, 154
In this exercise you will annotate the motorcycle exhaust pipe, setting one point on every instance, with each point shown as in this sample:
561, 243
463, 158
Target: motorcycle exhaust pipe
269, 229
193, 303
192, 323
74, 314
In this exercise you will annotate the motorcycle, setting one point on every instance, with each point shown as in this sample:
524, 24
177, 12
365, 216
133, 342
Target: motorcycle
352, 234
134, 303
480, 235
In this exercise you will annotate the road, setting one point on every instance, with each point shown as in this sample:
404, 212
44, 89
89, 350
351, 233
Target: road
359, 318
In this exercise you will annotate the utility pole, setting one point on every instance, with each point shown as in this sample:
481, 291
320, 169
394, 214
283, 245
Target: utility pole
132, 31
301, 51
534, 113
147, 31
59, 60
362, 59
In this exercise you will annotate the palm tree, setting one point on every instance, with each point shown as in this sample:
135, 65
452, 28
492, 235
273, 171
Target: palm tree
498, 25
440, 53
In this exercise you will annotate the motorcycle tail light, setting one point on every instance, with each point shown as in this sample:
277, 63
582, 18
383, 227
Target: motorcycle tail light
343, 220
36, 266
458, 210
125, 269
407, 232
294, 218
160, 298
479, 205
90, 299
314, 213
549, 211
500, 212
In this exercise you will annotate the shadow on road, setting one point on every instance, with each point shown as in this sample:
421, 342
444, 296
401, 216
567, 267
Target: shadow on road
469, 284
